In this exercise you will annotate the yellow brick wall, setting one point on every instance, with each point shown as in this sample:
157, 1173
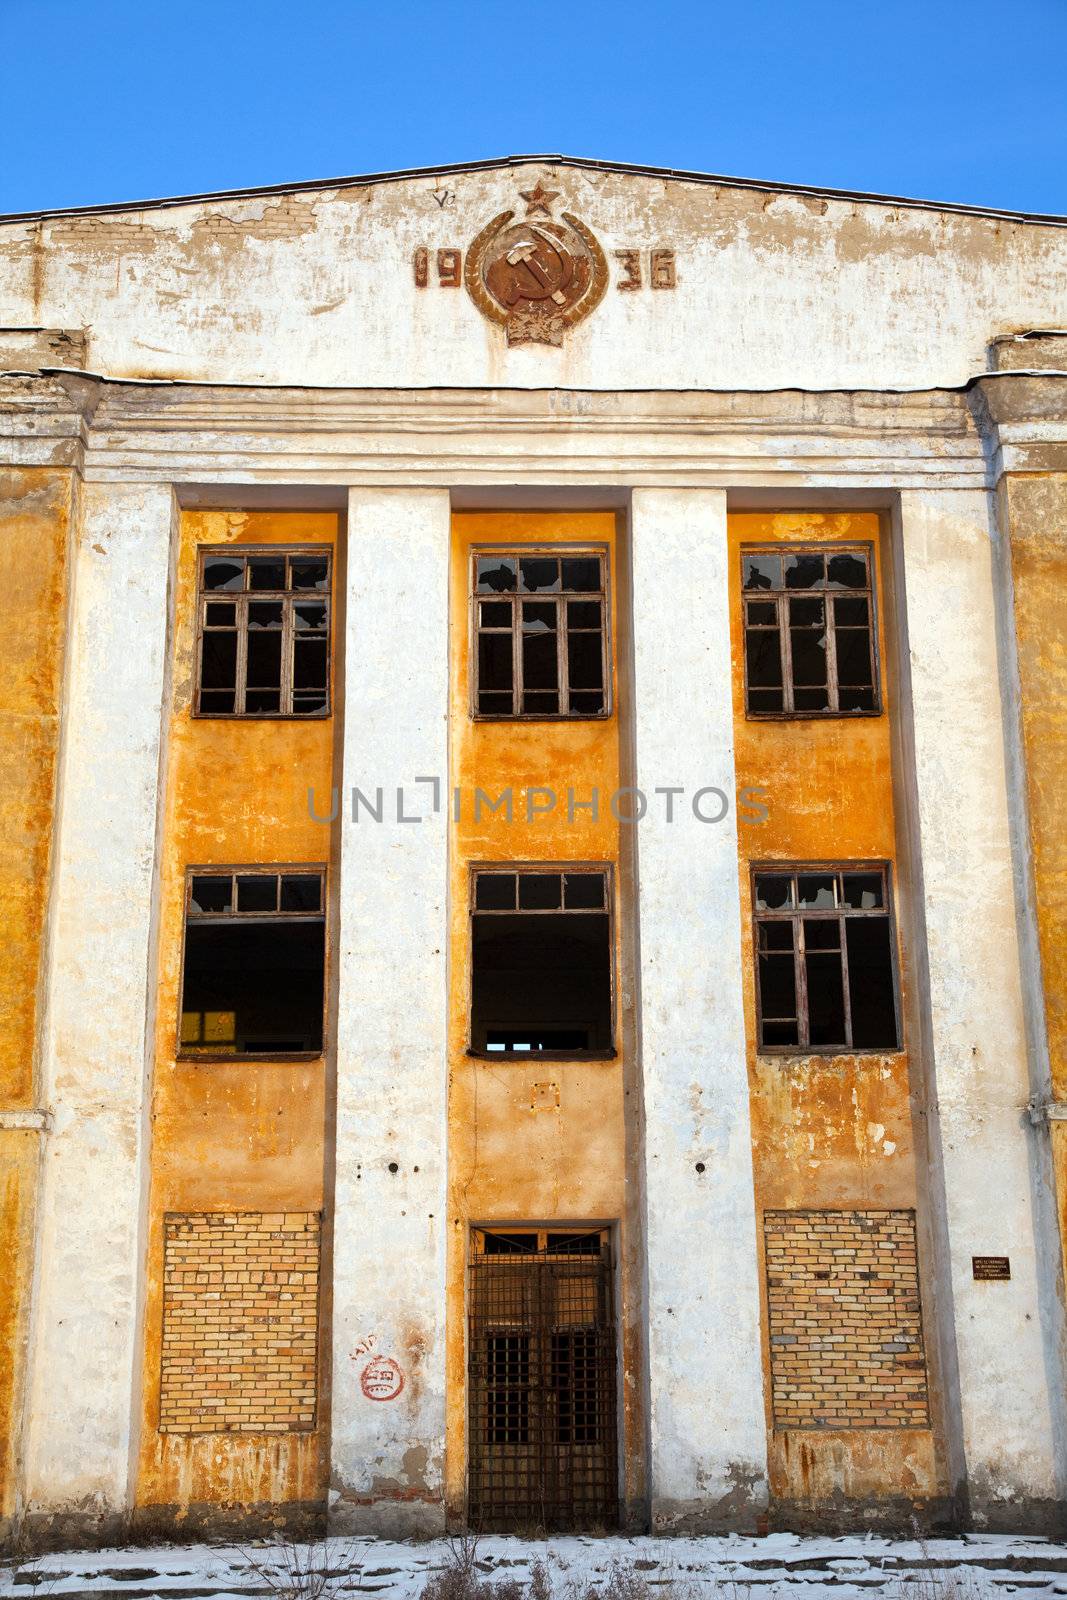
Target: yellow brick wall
845, 1327
240, 1322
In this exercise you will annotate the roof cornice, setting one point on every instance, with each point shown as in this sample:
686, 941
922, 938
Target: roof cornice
677, 174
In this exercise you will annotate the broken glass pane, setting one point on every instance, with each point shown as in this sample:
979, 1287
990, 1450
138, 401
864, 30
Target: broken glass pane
816, 890
853, 657
809, 657
540, 669
847, 571
539, 574
496, 575
220, 615
761, 572
806, 613
863, 890
265, 614
541, 704
264, 660
587, 702
310, 663
762, 614
850, 613
308, 618
538, 618
826, 999
309, 572
495, 614
804, 571
218, 668
210, 895
494, 661
774, 891
763, 655
222, 574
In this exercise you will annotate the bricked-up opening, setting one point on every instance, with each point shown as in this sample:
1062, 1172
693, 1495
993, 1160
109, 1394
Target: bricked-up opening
542, 1352
240, 1322
254, 962
845, 1321
541, 965
825, 974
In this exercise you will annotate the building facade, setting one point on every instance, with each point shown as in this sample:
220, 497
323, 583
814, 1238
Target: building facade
533, 859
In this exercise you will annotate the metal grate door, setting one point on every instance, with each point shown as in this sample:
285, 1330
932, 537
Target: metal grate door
542, 1438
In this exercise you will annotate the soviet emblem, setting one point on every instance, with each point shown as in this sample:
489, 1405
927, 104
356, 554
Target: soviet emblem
536, 278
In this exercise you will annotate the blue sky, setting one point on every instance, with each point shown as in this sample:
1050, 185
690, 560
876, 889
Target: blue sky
109, 100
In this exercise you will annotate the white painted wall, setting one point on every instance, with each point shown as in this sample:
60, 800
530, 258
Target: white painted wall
707, 1407
979, 1068
774, 290
389, 1255
95, 1065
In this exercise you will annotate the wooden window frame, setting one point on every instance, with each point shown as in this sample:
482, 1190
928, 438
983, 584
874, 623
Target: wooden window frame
780, 598
242, 598
840, 913
302, 869
539, 1233
517, 869
524, 552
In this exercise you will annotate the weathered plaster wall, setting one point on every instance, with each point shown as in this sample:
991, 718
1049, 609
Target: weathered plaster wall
100, 976
976, 1048
773, 289
35, 518
229, 1135
829, 1131
708, 1440
387, 1466
516, 1153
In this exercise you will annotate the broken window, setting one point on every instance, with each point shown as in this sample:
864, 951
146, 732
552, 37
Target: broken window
542, 1357
254, 965
540, 633
809, 631
264, 632
825, 972
541, 962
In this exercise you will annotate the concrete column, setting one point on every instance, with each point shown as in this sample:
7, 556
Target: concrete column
100, 983
972, 1011
388, 1425
709, 1444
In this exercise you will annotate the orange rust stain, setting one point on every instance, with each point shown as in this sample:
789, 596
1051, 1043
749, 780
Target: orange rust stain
826, 1131
517, 1152
1036, 509
233, 1135
35, 523
18, 1180
35, 514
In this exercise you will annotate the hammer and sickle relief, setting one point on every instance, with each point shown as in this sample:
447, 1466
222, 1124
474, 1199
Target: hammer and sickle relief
536, 279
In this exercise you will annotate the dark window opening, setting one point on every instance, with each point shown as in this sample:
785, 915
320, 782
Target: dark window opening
254, 964
541, 635
809, 632
825, 977
541, 963
264, 633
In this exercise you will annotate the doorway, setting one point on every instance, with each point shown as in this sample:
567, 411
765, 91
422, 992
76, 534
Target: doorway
542, 1438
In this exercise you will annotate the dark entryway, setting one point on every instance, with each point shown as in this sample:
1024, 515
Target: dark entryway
542, 1436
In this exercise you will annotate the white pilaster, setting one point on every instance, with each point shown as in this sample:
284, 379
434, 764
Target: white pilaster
709, 1447
976, 1042
95, 1042
389, 1225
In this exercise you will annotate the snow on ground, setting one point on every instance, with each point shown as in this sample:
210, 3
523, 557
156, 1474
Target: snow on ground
976, 1567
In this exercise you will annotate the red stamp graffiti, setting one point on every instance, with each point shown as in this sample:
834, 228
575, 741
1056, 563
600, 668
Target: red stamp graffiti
381, 1379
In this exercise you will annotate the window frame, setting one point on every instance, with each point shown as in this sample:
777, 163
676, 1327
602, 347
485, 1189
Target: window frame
288, 597
522, 552
779, 597
835, 913
246, 869
527, 868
